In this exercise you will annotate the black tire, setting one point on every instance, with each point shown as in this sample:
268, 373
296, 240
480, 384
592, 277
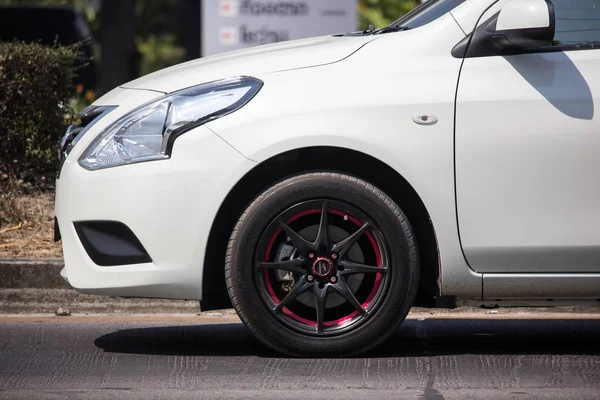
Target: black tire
386, 221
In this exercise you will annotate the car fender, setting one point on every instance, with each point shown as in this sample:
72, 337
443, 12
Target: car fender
328, 110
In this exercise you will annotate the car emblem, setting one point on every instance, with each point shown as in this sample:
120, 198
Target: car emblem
322, 266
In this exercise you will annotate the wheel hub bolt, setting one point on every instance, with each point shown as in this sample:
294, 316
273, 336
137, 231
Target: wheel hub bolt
334, 256
310, 278
311, 255
333, 279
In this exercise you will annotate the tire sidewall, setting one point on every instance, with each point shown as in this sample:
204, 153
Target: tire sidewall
401, 255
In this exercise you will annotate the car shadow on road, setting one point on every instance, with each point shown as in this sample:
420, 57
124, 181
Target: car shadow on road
414, 339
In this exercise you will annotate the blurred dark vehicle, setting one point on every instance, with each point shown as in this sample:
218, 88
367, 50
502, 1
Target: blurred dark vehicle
48, 25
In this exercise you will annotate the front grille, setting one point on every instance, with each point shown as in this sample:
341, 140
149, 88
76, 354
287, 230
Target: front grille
89, 116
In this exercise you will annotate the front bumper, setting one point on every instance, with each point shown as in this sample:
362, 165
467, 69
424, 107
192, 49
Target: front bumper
169, 205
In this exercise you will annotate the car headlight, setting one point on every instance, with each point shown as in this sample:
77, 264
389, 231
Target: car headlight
147, 133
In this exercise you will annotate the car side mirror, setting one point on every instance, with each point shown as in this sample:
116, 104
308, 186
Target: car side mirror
524, 24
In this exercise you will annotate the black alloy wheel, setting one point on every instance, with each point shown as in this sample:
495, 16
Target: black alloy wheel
322, 264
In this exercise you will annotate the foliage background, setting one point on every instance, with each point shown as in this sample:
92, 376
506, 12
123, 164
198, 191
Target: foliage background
36, 87
380, 13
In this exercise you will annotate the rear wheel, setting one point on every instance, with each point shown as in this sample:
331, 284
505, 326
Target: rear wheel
322, 264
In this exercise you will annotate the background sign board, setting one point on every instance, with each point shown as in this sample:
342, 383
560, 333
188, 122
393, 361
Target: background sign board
235, 24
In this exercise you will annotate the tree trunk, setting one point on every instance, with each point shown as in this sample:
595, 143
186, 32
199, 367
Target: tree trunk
120, 60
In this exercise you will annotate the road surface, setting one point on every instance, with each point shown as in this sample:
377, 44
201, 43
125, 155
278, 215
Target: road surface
211, 358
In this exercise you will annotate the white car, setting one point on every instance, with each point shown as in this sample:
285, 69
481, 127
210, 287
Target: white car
325, 186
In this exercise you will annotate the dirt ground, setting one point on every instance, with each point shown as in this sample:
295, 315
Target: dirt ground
30, 232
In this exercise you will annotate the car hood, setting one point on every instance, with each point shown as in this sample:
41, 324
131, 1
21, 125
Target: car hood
252, 61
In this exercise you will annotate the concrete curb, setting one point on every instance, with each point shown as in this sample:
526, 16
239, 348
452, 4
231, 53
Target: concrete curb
43, 273
35, 286
27, 301
30, 286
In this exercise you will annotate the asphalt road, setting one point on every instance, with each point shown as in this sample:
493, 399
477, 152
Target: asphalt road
217, 358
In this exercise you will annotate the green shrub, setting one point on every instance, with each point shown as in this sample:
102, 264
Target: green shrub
36, 85
380, 13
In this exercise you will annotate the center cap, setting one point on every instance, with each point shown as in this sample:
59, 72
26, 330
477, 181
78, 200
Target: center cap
322, 266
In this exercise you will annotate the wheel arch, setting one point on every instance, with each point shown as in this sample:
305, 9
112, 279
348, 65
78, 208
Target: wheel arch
310, 159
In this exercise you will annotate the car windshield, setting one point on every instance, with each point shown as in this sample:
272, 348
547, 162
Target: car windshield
425, 13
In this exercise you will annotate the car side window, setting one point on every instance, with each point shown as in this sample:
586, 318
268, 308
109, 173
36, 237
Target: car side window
577, 22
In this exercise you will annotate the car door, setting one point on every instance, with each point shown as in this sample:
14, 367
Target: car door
527, 152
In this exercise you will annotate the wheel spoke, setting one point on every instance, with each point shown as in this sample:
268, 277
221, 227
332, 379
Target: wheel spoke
320, 299
289, 265
300, 287
322, 240
342, 288
321, 258
357, 268
342, 247
302, 244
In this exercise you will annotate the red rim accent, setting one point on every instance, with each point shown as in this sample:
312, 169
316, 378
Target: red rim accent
347, 317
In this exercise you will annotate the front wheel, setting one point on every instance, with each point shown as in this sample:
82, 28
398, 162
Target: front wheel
322, 264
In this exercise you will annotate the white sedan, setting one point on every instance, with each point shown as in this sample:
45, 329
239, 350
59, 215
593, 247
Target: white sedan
325, 186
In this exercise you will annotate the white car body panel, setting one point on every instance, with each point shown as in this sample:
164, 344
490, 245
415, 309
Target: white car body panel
336, 108
469, 13
362, 93
254, 61
518, 15
142, 196
527, 178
